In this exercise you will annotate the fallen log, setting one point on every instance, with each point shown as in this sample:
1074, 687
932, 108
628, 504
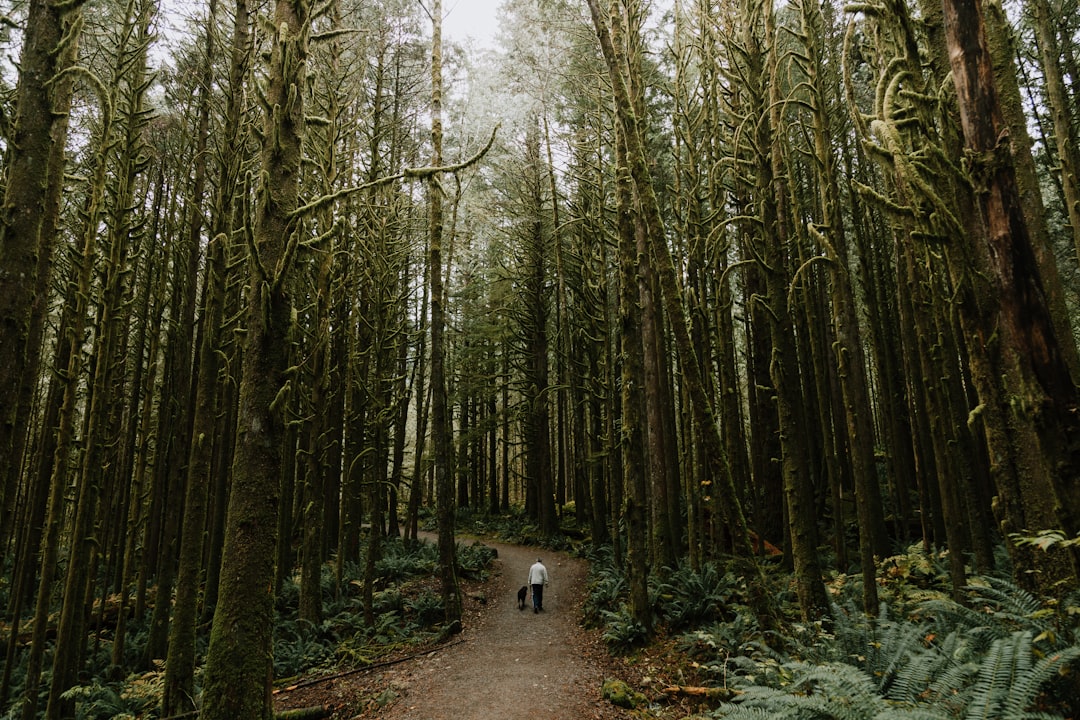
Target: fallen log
712, 693
366, 668
316, 712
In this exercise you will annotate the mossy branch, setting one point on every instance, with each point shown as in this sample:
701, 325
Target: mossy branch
420, 173
795, 278
95, 82
333, 34
68, 6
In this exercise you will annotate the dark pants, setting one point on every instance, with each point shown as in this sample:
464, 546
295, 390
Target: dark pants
538, 596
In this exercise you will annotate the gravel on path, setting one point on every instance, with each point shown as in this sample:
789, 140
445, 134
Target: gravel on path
506, 663
513, 663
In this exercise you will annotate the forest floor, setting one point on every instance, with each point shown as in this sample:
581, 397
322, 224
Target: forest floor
505, 663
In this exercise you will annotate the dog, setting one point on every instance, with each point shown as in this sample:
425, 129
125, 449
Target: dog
522, 594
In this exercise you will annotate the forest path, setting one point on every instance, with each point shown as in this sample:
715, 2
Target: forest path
512, 663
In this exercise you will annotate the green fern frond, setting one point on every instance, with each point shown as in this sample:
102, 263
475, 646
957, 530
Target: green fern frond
892, 653
846, 691
1008, 659
741, 712
1009, 601
1029, 682
951, 684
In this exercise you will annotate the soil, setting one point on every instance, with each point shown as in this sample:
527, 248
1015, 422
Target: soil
506, 662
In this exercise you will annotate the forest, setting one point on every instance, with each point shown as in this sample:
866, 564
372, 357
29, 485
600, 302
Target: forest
777, 295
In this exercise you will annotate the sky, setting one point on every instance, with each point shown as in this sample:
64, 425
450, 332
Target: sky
476, 19
462, 19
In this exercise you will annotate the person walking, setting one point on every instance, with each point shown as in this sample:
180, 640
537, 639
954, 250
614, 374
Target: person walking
538, 578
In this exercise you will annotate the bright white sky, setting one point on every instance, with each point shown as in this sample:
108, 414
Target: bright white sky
462, 19
474, 19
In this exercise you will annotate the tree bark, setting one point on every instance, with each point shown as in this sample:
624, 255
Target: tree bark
239, 662
440, 419
32, 189
1028, 402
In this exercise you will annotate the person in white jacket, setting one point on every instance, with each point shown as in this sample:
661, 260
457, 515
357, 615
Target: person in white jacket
538, 578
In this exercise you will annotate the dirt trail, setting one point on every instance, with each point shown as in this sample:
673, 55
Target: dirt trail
511, 662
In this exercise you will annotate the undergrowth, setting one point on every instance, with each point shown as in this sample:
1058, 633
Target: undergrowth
999, 653
406, 609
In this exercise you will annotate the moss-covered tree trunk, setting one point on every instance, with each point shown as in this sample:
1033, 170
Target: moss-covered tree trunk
1059, 103
179, 693
1003, 54
33, 184
848, 343
772, 189
440, 416
239, 662
632, 427
1028, 401
536, 301
192, 577
674, 305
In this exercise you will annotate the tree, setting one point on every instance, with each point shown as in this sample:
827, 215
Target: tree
1028, 400
29, 217
441, 428
239, 665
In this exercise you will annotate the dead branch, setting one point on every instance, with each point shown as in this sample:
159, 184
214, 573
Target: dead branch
355, 671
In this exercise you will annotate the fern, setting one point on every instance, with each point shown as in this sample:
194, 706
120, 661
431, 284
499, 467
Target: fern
890, 653
845, 691
606, 585
916, 670
836, 690
1009, 681
994, 605
622, 632
473, 560
691, 597
426, 608
1010, 602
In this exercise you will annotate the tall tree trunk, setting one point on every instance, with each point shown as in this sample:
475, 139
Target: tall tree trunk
848, 345
1002, 48
672, 295
239, 662
32, 189
179, 693
632, 440
440, 417
1058, 99
772, 186
1028, 400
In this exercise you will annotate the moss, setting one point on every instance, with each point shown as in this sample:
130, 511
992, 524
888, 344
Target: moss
619, 693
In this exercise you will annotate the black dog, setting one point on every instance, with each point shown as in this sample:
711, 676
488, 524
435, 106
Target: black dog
521, 596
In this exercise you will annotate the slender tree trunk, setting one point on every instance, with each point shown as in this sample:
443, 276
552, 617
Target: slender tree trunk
1057, 98
179, 693
440, 417
672, 295
773, 186
848, 345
